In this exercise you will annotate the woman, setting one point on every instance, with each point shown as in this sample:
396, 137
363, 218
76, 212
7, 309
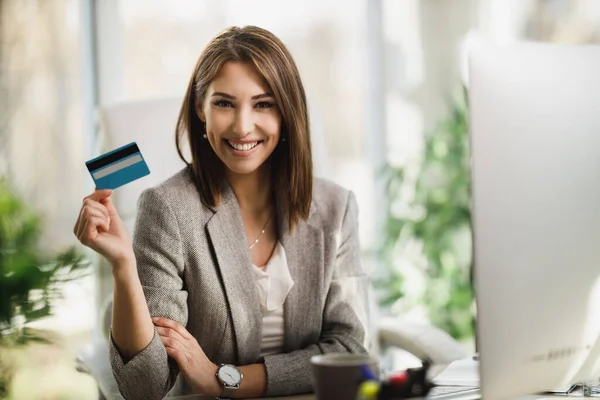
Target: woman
234, 277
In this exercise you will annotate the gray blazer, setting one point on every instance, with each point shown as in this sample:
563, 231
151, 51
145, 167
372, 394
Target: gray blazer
195, 268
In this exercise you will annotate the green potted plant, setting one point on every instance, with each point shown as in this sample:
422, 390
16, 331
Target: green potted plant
438, 218
30, 279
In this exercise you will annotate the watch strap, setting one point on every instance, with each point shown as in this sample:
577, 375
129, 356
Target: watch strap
228, 391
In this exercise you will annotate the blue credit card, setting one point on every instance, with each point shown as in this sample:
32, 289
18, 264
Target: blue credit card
118, 167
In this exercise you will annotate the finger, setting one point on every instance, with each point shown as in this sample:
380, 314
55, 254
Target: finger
169, 323
87, 213
92, 228
81, 230
103, 197
100, 224
94, 207
168, 332
90, 207
77, 225
169, 342
173, 353
99, 194
81, 221
108, 203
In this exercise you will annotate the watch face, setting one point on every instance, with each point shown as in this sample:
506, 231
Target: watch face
230, 375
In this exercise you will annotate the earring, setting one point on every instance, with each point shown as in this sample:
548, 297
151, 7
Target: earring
204, 136
283, 139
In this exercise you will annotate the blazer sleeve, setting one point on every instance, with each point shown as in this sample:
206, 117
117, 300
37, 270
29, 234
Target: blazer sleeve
160, 262
342, 329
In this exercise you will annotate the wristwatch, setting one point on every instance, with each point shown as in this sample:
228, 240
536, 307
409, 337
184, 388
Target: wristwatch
231, 379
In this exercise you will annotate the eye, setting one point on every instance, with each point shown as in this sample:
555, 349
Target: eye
264, 104
223, 103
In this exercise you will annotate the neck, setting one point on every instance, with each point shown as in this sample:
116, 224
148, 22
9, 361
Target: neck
253, 191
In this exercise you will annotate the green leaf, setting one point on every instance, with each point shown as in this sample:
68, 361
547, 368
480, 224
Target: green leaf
442, 190
30, 278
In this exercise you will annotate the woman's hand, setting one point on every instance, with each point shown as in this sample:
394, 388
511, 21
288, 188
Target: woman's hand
197, 369
100, 228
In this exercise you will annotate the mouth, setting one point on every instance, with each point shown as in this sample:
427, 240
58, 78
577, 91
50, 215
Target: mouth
242, 148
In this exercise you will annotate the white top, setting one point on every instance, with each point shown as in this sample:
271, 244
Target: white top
273, 282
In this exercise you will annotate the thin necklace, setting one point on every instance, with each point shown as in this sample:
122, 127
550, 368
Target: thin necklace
261, 233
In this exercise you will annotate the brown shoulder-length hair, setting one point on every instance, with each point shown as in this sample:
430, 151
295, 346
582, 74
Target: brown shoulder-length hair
291, 161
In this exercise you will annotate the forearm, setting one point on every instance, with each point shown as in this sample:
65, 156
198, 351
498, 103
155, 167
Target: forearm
132, 327
254, 383
290, 373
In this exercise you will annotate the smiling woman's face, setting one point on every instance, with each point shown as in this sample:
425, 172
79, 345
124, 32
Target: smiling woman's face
243, 121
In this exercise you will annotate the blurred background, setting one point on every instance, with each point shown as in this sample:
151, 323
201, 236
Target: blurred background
387, 88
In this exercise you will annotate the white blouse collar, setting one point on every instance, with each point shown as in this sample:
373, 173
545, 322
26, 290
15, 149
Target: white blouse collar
274, 282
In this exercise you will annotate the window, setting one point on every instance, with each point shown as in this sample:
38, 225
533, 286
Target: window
151, 51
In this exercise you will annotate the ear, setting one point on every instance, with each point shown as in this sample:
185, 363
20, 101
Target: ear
200, 113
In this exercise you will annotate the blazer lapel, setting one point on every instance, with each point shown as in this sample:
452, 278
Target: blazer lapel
304, 249
228, 238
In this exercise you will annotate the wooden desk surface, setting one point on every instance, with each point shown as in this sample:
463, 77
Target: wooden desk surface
312, 397
198, 397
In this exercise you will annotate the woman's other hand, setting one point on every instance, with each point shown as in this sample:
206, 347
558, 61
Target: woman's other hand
100, 228
197, 369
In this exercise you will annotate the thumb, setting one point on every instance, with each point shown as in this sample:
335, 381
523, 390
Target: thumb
100, 194
108, 203
103, 196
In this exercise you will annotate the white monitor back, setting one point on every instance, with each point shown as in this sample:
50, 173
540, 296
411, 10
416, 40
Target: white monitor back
535, 137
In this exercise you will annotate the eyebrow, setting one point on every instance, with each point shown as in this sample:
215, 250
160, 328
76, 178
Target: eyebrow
228, 96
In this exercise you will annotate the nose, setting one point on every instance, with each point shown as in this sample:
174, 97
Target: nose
243, 122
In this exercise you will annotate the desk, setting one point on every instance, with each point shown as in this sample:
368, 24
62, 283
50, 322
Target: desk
198, 397
312, 397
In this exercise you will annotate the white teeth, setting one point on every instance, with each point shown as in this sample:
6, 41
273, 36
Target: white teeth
242, 147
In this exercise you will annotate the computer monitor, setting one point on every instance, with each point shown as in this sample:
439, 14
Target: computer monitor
535, 142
